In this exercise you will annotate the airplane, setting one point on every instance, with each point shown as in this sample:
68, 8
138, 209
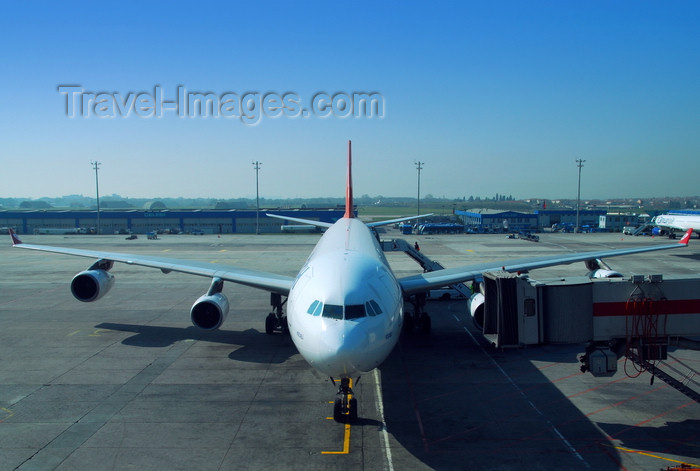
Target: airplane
676, 222
345, 307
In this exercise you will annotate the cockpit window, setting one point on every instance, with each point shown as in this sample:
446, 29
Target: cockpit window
354, 311
375, 307
349, 312
370, 309
333, 311
315, 308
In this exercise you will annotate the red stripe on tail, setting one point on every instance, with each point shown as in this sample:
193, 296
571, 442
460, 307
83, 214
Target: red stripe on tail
686, 237
348, 187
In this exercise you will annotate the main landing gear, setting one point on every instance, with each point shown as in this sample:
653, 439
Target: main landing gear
345, 407
418, 319
276, 320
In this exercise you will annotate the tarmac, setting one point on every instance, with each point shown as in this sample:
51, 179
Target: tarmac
128, 383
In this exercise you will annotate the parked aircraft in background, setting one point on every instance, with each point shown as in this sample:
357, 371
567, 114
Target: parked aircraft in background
345, 308
672, 222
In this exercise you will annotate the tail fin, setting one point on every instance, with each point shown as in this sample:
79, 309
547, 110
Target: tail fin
686, 237
348, 188
13, 236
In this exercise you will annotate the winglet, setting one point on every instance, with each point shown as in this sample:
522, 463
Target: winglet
686, 237
13, 236
348, 187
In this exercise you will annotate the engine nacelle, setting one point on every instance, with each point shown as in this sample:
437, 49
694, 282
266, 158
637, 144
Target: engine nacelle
476, 309
209, 311
91, 285
602, 273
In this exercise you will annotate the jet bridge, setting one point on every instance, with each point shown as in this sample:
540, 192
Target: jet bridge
638, 317
418, 318
401, 245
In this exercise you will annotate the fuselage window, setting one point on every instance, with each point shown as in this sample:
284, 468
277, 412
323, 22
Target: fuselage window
333, 311
354, 311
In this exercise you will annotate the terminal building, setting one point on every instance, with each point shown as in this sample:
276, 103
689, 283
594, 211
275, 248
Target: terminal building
547, 218
155, 217
488, 220
141, 221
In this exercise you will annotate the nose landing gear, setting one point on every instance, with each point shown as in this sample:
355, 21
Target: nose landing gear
345, 407
276, 320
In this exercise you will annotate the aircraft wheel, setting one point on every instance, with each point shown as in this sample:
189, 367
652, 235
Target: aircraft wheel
270, 324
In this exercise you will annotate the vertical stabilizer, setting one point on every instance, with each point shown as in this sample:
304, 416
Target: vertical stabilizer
348, 187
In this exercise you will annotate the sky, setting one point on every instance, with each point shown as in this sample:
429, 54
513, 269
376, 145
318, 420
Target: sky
492, 96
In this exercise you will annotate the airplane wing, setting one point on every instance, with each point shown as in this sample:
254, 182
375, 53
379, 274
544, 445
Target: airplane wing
254, 278
448, 276
300, 220
393, 221
328, 224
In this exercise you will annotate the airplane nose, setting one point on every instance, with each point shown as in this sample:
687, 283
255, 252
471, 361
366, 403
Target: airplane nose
353, 342
344, 347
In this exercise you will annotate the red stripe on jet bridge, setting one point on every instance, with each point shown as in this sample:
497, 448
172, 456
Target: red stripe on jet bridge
677, 306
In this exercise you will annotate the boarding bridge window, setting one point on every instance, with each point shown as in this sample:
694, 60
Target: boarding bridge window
354, 311
315, 308
373, 308
333, 311
529, 307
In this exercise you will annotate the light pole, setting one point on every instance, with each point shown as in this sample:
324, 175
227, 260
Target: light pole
256, 166
579, 164
96, 166
419, 167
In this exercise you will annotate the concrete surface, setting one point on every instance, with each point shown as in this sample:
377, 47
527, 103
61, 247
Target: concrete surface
127, 383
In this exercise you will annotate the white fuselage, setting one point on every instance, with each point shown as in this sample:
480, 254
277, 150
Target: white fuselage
681, 222
345, 309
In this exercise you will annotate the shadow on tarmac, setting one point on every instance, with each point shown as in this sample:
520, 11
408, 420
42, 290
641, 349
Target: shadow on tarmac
450, 406
670, 438
253, 346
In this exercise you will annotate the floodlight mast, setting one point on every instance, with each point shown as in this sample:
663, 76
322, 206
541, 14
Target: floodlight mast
419, 167
579, 164
256, 166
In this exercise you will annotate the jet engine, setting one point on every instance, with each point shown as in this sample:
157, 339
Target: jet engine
476, 309
211, 309
599, 269
93, 283
602, 273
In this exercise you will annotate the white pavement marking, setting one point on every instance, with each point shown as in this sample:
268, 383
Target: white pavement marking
380, 409
522, 393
